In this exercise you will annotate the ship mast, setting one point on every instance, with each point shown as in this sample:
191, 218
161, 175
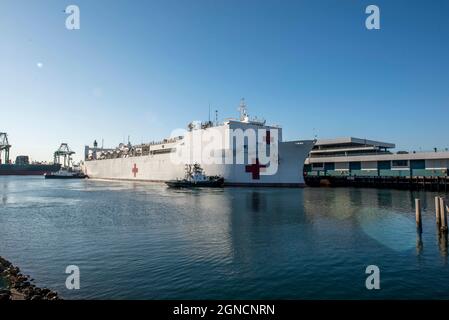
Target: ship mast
243, 111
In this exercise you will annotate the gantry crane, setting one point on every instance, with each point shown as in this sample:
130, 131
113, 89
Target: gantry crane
4, 147
65, 152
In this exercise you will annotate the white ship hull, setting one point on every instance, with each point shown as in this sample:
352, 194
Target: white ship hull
160, 167
244, 152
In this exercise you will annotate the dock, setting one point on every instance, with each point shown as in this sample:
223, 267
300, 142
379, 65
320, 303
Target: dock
355, 162
428, 183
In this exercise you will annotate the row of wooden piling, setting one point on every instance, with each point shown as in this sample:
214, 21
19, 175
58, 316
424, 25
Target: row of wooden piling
441, 211
433, 183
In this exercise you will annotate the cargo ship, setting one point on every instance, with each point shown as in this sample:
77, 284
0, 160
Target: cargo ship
221, 149
22, 165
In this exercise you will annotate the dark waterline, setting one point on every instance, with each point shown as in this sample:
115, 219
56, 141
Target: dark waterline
144, 241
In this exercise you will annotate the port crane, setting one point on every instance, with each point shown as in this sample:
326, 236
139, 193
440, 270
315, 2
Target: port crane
4, 147
65, 152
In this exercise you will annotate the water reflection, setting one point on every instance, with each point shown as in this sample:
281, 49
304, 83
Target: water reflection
137, 240
443, 244
338, 204
4, 191
384, 199
391, 229
256, 203
419, 243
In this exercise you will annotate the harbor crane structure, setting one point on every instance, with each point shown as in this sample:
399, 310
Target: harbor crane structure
4, 147
65, 153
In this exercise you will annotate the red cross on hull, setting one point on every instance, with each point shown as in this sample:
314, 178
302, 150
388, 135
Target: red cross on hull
255, 169
135, 170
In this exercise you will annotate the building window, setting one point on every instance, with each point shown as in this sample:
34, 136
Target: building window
318, 165
329, 166
355, 165
400, 163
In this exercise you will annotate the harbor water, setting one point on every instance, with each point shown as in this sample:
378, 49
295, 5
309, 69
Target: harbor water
145, 241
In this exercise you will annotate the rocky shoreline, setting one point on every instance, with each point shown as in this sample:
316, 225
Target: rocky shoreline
19, 286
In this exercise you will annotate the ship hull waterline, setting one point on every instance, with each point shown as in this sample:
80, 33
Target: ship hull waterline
27, 170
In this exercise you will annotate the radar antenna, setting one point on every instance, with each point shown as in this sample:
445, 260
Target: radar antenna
243, 110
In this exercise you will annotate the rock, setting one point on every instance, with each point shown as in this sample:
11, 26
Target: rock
14, 271
16, 295
45, 291
22, 278
4, 263
20, 286
27, 292
51, 295
4, 297
17, 285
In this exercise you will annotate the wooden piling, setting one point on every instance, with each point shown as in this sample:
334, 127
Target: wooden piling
437, 210
418, 215
443, 215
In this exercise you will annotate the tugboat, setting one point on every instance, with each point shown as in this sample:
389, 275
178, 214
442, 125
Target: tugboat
66, 173
68, 170
195, 178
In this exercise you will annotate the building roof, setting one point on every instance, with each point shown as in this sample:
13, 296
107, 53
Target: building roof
382, 157
352, 140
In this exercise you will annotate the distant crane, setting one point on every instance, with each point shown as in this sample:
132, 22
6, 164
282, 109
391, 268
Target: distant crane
65, 152
4, 146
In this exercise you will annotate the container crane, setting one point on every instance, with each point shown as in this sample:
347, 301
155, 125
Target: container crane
4, 147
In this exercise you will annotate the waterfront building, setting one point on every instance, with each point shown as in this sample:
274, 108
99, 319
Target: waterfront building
368, 158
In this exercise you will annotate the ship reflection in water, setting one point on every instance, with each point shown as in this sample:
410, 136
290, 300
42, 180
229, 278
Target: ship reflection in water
146, 241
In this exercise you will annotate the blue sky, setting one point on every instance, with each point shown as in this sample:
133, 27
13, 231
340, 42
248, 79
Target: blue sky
143, 68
